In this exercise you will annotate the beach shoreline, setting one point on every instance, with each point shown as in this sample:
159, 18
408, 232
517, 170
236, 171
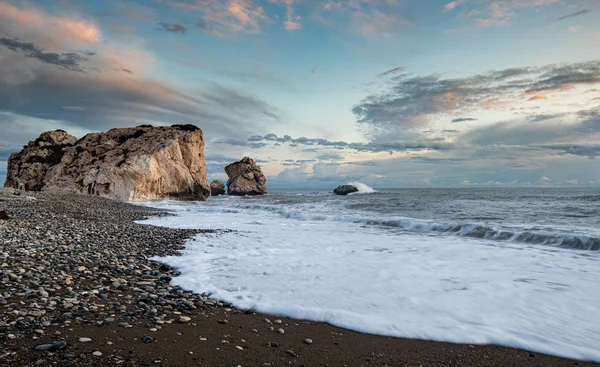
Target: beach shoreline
74, 268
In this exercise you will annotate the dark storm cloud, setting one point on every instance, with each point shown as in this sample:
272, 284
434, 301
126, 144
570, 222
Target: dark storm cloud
410, 101
463, 119
70, 60
172, 27
573, 15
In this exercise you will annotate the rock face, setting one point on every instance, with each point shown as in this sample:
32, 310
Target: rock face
217, 187
345, 190
128, 164
245, 178
27, 169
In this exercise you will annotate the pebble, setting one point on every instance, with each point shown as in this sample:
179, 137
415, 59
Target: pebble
280, 331
97, 353
59, 345
85, 340
222, 321
43, 347
308, 341
76, 260
291, 353
277, 321
148, 339
238, 347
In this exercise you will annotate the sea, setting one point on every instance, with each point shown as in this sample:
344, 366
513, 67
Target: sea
515, 267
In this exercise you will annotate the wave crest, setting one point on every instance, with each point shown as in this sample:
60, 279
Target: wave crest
362, 188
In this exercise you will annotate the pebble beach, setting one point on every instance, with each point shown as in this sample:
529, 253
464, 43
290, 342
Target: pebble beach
77, 288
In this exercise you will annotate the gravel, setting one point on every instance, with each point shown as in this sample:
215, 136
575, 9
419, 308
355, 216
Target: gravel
82, 259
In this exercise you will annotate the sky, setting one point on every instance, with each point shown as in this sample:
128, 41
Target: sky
391, 93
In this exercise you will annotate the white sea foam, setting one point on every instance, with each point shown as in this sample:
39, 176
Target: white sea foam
429, 286
362, 188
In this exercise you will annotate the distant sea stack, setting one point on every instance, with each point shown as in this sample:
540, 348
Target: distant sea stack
217, 187
126, 164
245, 178
345, 189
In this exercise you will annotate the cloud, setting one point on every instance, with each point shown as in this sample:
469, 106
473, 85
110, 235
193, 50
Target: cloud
292, 21
172, 27
588, 150
45, 30
573, 15
398, 69
538, 97
463, 119
69, 61
397, 146
411, 102
111, 87
222, 18
495, 13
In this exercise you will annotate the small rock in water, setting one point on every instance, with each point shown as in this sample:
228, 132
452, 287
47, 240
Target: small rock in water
148, 339
308, 341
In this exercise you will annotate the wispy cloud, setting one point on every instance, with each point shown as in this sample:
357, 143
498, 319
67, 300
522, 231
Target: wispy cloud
463, 119
172, 27
411, 102
221, 18
70, 61
573, 15
395, 70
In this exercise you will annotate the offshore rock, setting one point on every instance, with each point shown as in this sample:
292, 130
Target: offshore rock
126, 164
345, 190
245, 178
217, 187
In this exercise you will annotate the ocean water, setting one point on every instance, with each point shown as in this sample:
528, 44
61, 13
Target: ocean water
513, 267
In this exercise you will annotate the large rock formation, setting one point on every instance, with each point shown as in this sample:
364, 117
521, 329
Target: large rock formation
345, 189
27, 169
128, 164
217, 187
245, 178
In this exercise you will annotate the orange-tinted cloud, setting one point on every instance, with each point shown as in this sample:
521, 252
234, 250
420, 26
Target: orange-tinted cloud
47, 30
222, 18
538, 97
